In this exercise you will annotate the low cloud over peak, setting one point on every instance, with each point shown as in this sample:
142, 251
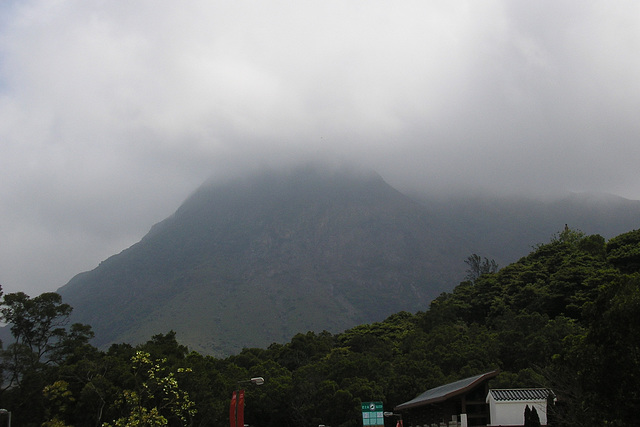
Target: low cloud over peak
111, 113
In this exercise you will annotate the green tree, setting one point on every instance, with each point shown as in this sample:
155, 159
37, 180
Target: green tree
41, 342
610, 353
568, 235
623, 251
158, 400
165, 346
479, 266
37, 324
531, 418
60, 401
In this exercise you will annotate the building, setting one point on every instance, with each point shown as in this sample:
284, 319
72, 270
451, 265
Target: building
470, 403
463, 402
507, 406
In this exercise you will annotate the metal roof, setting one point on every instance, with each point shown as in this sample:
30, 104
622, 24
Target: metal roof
446, 391
519, 394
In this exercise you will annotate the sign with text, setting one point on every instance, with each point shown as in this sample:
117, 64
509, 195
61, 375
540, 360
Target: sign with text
372, 414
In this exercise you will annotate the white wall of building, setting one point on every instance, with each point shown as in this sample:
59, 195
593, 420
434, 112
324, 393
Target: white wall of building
512, 413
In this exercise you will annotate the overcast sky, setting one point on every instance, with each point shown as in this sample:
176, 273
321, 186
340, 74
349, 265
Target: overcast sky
113, 112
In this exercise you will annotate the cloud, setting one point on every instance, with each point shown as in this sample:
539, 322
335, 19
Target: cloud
111, 113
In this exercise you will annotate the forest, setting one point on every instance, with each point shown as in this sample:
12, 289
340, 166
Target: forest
565, 317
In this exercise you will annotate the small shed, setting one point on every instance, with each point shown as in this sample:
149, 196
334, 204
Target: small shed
463, 402
507, 406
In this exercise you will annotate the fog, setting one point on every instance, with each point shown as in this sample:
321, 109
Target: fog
112, 113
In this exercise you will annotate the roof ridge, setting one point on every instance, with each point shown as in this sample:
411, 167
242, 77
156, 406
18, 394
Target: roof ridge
521, 389
520, 394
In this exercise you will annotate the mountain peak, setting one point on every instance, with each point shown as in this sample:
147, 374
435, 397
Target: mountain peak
255, 260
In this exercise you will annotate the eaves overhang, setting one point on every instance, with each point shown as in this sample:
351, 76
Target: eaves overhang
447, 391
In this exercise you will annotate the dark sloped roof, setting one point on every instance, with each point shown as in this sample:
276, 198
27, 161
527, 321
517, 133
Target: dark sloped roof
520, 394
446, 391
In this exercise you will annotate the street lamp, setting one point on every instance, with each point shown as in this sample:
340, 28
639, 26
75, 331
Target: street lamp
8, 413
236, 411
255, 380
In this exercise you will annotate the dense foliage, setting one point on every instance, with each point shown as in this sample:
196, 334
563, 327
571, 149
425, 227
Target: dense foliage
567, 317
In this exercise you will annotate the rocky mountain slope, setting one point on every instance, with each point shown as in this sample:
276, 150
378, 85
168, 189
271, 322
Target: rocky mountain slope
256, 260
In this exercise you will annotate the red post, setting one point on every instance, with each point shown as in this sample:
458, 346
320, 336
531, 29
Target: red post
240, 409
232, 411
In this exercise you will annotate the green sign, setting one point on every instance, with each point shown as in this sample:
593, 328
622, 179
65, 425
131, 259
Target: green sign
372, 414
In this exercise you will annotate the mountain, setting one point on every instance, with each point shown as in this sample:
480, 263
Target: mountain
507, 228
257, 260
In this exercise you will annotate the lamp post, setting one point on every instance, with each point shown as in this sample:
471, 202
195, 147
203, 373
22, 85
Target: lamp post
236, 411
8, 413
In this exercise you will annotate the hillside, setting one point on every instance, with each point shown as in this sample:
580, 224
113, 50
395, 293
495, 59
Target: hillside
506, 228
256, 260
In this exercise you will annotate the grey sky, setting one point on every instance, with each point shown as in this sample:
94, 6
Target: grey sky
112, 112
